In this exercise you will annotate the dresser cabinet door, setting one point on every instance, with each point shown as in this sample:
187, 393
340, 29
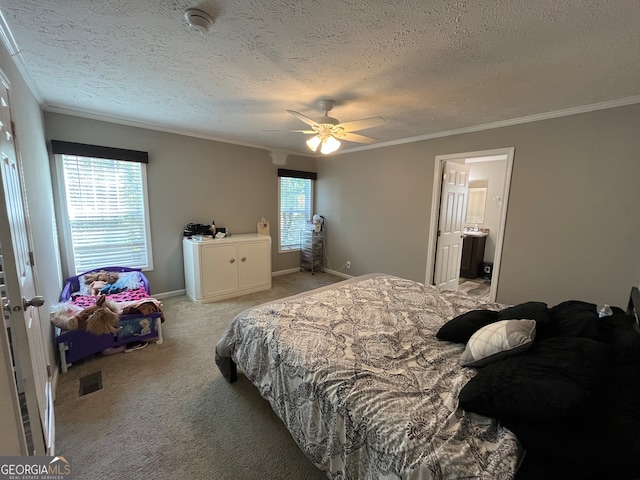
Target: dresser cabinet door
219, 269
253, 264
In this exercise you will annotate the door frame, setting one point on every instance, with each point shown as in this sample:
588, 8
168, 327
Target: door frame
435, 210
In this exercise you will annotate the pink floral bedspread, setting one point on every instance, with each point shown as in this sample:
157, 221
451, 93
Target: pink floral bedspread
85, 301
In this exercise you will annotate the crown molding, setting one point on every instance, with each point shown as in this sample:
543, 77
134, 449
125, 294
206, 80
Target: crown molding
12, 47
447, 133
622, 102
154, 126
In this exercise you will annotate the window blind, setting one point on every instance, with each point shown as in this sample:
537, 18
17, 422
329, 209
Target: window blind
106, 210
295, 209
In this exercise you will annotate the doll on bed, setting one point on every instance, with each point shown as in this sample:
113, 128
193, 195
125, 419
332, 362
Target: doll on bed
98, 281
98, 319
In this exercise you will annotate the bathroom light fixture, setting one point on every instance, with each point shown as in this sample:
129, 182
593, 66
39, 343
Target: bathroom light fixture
199, 20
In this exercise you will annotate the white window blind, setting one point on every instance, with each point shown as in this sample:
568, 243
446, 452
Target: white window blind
295, 210
106, 213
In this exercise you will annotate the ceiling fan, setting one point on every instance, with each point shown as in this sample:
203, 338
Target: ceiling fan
328, 131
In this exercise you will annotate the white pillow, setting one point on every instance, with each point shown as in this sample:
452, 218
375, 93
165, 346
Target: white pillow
498, 340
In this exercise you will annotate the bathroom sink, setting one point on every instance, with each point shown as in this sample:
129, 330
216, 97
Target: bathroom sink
473, 233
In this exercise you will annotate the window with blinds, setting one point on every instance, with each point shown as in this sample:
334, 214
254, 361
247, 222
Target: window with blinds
295, 207
105, 213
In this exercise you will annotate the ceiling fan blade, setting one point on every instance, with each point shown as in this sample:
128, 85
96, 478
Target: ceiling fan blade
308, 132
361, 124
356, 137
305, 119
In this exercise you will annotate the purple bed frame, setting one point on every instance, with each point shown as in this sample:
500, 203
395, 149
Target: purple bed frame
76, 344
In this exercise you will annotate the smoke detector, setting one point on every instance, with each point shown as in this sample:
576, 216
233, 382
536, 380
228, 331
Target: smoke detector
199, 20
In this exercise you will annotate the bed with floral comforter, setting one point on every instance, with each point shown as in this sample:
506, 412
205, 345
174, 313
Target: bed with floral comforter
357, 375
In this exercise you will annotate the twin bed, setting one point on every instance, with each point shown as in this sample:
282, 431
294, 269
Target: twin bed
380, 377
127, 292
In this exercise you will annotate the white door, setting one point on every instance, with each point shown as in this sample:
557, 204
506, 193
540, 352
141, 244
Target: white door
453, 208
24, 317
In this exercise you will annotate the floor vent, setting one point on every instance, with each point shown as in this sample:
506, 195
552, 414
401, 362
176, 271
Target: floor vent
90, 383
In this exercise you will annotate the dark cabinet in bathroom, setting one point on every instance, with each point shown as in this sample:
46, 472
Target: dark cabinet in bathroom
472, 256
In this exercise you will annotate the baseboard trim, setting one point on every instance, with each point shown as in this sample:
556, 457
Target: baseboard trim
175, 293
337, 273
297, 269
284, 272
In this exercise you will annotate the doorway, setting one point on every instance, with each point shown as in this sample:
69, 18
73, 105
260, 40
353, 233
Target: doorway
497, 165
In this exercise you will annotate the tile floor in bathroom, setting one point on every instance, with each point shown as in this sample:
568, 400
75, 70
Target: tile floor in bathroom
476, 287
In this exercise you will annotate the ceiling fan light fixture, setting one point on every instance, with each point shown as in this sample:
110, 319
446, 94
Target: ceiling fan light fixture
329, 145
328, 130
199, 20
313, 143
326, 143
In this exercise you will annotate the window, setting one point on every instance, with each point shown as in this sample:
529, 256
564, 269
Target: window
104, 211
295, 206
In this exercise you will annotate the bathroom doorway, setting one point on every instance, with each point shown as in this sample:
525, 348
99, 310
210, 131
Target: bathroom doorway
490, 179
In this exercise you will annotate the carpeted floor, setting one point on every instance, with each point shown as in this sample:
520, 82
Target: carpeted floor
165, 412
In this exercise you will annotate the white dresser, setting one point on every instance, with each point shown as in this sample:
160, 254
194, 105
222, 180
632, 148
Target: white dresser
220, 268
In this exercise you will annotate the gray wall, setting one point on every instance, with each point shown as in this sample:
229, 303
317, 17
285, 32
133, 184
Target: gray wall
191, 180
573, 225
570, 233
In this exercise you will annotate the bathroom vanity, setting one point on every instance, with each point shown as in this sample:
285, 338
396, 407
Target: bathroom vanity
472, 253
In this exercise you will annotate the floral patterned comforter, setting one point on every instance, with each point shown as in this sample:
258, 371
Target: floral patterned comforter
365, 388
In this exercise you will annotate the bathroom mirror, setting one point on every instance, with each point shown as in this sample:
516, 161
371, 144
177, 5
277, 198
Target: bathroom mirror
477, 200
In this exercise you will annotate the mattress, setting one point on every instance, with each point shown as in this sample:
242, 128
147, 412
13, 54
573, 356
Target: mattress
356, 374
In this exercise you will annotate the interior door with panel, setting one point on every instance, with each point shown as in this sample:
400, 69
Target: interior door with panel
453, 207
21, 298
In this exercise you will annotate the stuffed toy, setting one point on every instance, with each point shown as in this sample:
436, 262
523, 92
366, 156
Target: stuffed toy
62, 312
99, 319
96, 287
96, 281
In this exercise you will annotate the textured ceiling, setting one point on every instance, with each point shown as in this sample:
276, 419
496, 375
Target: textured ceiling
427, 67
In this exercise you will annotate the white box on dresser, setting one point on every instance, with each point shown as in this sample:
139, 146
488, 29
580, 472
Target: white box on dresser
220, 268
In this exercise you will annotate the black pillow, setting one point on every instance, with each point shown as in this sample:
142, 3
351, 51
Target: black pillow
573, 319
537, 311
460, 328
555, 379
